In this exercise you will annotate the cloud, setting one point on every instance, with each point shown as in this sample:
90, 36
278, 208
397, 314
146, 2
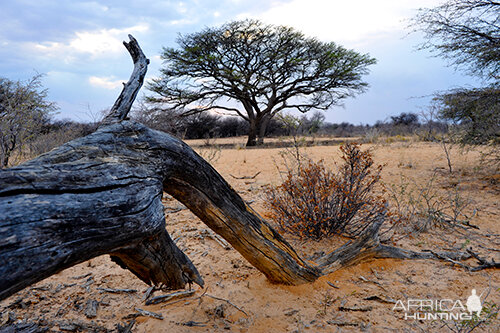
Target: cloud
106, 82
103, 42
185, 21
344, 21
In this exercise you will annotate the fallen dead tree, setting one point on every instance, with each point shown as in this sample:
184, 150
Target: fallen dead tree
102, 194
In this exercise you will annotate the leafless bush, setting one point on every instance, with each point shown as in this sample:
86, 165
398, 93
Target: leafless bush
314, 202
24, 109
210, 150
58, 133
419, 208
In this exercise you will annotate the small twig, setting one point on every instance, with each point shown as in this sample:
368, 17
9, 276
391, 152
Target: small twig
332, 285
221, 241
228, 302
193, 323
148, 292
91, 308
488, 248
87, 283
341, 323
362, 278
375, 273
62, 286
380, 299
59, 311
81, 276
168, 297
42, 288
246, 177
126, 328
149, 314
355, 308
189, 299
173, 210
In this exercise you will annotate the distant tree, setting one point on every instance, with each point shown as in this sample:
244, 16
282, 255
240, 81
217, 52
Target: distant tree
156, 117
231, 126
313, 124
56, 133
432, 123
264, 68
475, 111
24, 109
467, 32
201, 126
406, 119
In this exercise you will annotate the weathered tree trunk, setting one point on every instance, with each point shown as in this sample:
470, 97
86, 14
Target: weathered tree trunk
102, 194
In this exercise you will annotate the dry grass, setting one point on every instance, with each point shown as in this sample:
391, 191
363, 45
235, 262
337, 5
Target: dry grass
313, 307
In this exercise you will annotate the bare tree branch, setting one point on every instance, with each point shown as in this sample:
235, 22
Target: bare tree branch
122, 105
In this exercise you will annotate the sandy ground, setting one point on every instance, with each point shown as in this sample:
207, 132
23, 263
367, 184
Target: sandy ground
238, 298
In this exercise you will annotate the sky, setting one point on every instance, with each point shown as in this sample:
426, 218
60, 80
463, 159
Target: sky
78, 46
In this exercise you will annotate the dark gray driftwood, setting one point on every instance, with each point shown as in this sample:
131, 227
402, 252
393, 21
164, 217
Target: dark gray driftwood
102, 194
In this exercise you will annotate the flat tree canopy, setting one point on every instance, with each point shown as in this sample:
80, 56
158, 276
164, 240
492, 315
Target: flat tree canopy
263, 68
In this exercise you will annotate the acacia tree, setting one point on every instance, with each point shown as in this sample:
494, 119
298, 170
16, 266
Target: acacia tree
476, 111
466, 32
23, 110
263, 68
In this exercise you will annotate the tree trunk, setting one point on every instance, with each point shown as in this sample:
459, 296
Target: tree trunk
6, 152
4, 162
263, 129
102, 194
252, 133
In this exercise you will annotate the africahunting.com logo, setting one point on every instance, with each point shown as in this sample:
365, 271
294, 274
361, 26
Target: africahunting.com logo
443, 309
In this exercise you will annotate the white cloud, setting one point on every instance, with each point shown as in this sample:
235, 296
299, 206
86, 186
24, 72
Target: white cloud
106, 82
345, 21
181, 8
96, 43
184, 21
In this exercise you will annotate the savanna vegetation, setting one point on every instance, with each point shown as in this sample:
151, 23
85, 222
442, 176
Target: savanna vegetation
419, 185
